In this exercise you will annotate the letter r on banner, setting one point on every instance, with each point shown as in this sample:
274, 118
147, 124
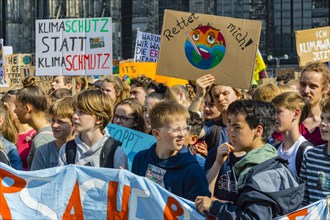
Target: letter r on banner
169, 212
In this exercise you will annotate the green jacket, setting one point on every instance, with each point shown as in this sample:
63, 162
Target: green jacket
251, 159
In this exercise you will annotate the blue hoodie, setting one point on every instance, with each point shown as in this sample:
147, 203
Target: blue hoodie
180, 174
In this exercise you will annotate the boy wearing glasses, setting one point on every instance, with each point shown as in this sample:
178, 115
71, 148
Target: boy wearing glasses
168, 162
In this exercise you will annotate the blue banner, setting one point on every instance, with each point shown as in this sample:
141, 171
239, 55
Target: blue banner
87, 193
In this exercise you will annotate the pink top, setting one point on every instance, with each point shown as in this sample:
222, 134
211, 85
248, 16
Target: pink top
24, 143
314, 137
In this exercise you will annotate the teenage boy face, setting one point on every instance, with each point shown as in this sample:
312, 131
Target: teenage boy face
240, 134
284, 119
148, 104
58, 83
223, 96
62, 127
172, 135
138, 93
83, 121
325, 126
311, 87
109, 90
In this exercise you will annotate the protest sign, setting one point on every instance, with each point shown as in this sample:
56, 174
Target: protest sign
13, 65
313, 45
148, 69
147, 47
132, 141
74, 46
78, 192
260, 65
193, 45
2, 71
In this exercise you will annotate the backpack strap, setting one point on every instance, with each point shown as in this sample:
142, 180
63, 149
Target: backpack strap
300, 154
108, 152
70, 152
277, 145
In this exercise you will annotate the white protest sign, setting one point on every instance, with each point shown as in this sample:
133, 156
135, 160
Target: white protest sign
74, 46
147, 47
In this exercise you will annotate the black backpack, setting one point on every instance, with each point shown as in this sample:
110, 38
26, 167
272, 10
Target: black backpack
300, 153
107, 152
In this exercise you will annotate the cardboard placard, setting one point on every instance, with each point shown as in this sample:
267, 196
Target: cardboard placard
313, 45
193, 45
147, 47
148, 69
13, 65
74, 47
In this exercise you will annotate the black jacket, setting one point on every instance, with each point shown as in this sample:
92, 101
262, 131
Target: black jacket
269, 190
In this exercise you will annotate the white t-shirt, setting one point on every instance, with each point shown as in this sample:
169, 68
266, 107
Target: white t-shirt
290, 154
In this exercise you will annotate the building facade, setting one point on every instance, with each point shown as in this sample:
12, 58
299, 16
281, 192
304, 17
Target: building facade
280, 19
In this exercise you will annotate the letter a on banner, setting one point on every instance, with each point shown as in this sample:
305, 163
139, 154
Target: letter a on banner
75, 204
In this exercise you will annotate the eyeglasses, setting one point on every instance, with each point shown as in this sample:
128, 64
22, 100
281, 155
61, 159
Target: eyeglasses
176, 131
122, 118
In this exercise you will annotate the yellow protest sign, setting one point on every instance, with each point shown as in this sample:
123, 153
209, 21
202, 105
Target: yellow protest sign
259, 66
148, 69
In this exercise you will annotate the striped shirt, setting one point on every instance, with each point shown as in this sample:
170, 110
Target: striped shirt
315, 171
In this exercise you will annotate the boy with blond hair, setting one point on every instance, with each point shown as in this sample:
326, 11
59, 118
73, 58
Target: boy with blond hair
92, 147
315, 170
168, 162
291, 109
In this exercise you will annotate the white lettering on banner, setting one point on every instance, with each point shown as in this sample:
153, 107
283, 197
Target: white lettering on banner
136, 195
310, 46
321, 34
321, 55
90, 184
120, 193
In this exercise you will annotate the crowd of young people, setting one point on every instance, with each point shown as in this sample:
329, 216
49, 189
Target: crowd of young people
236, 154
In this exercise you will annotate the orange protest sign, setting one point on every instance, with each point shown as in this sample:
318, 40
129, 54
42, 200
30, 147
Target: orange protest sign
148, 69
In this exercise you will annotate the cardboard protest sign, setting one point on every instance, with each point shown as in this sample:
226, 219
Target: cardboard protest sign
148, 69
313, 45
13, 65
74, 46
132, 141
147, 47
193, 45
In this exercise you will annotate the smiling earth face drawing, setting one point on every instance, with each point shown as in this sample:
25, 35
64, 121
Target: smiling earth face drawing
205, 47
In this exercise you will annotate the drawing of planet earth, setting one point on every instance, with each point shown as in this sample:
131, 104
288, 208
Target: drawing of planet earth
205, 47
